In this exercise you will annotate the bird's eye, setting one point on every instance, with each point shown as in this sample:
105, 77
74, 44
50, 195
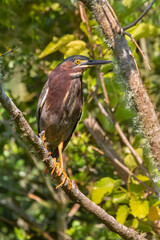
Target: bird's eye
77, 61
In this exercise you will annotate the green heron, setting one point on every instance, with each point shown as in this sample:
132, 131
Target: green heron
60, 106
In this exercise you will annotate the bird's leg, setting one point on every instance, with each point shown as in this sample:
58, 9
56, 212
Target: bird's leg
60, 149
43, 138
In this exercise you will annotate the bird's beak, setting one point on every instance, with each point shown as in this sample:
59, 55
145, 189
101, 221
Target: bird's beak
92, 63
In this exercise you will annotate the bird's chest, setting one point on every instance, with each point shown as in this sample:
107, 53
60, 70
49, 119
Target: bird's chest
72, 101
65, 110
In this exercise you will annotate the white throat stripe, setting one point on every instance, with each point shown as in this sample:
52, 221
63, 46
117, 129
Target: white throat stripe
77, 74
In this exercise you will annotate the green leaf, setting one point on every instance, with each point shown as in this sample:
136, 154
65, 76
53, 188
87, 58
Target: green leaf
144, 227
154, 213
20, 233
121, 197
76, 47
57, 45
103, 187
122, 113
130, 162
132, 3
122, 213
83, 27
106, 124
139, 208
135, 223
143, 178
144, 30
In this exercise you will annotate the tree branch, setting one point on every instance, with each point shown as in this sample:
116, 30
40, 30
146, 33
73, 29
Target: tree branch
12, 50
140, 17
129, 72
74, 193
53, 193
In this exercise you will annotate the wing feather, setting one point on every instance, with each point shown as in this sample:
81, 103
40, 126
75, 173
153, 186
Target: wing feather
41, 103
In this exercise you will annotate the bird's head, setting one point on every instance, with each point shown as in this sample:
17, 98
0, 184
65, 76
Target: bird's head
77, 64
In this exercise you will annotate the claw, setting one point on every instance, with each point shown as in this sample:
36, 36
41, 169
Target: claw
64, 179
55, 163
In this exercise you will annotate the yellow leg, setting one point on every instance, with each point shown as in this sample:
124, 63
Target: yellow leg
43, 138
60, 149
58, 165
61, 166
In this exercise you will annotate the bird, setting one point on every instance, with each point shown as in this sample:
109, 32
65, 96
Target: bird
60, 107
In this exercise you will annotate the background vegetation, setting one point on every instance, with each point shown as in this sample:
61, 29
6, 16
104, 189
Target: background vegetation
46, 32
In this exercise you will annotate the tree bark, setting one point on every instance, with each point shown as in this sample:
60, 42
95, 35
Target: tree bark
128, 71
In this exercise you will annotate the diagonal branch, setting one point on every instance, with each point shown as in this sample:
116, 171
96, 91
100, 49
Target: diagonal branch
53, 193
140, 17
142, 53
75, 194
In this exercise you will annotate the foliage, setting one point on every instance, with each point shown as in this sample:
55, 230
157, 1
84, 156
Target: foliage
46, 32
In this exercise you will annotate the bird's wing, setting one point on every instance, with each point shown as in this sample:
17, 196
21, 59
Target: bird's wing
41, 103
67, 140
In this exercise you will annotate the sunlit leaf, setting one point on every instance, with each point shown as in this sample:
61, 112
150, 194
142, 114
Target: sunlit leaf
122, 213
139, 208
121, 197
130, 162
55, 46
103, 187
144, 30
20, 233
154, 213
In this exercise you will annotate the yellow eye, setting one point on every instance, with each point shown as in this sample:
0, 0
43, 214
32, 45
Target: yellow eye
77, 61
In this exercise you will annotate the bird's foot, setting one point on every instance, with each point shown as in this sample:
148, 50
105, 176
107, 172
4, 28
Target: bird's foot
55, 165
42, 136
64, 179
46, 169
59, 173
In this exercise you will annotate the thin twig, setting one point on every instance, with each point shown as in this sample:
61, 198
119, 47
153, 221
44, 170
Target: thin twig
84, 15
12, 50
140, 17
104, 88
97, 150
84, 19
142, 53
